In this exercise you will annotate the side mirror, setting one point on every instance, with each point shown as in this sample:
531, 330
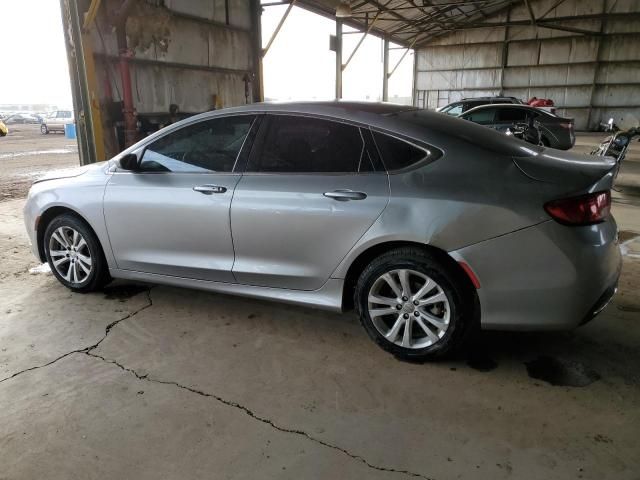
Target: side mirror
130, 162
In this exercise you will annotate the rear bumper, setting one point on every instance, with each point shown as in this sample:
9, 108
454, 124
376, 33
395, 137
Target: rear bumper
545, 277
600, 304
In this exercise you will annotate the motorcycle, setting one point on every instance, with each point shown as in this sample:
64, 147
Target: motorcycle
529, 132
609, 126
616, 145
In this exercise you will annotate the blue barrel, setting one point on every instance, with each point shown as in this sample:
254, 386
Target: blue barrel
70, 130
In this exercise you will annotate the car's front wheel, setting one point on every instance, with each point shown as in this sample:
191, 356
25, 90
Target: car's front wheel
414, 305
43, 129
74, 254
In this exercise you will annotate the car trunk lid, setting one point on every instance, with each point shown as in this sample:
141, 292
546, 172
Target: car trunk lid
573, 171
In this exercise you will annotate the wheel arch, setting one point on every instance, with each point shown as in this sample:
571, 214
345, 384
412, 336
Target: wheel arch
47, 216
365, 257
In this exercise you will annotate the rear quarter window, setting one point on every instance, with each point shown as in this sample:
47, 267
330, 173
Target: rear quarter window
455, 130
398, 154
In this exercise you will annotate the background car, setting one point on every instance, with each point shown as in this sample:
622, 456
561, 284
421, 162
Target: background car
457, 108
21, 118
428, 225
556, 132
56, 121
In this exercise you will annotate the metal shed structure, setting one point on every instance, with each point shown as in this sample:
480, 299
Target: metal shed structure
138, 64
581, 53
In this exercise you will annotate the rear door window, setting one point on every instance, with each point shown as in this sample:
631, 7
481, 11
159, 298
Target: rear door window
484, 116
297, 144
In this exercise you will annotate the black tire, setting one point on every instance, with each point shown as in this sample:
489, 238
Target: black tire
99, 272
453, 282
43, 129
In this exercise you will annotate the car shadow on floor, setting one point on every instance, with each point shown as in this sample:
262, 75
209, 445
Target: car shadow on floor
598, 351
601, 350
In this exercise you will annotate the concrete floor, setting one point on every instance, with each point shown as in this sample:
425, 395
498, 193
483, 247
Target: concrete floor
157, 382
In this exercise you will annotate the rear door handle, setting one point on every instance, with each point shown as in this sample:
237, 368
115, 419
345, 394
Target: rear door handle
345, 195
209, 189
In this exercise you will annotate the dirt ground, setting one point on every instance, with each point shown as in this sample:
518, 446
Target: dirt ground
162, 383
26, 154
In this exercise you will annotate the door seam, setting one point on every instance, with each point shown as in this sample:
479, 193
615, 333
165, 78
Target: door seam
233, 245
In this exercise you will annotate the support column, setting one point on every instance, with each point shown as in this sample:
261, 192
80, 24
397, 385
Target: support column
338, 59
82, 104
596, 68
385, 70
128, 110
258, 80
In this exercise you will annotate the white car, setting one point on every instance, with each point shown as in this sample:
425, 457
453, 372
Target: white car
56, 121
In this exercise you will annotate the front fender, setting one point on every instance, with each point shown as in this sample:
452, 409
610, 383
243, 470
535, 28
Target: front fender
81, 195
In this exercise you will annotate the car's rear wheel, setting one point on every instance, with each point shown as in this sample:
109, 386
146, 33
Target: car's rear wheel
74, 254
414, 305
43, 129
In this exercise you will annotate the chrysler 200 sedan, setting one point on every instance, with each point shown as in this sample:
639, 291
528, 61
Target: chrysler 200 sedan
428, 226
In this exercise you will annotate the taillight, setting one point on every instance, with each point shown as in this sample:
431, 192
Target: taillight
582, 210
568, 126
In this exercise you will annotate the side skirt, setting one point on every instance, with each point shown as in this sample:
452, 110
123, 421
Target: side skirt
328, 297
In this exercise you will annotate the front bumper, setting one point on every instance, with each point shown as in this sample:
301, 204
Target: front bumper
30, 214
545, 277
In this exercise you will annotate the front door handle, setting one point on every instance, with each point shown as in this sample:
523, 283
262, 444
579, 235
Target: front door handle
345, 195
209, 189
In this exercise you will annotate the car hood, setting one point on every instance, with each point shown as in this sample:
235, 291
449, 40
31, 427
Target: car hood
71, 172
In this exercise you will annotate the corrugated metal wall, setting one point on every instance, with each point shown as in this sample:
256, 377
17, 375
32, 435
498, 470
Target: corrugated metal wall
183, 54
589, 77
195, 54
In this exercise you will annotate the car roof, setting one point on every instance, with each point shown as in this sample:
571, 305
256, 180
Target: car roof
503, 105
380, 108
489, 98
360, 112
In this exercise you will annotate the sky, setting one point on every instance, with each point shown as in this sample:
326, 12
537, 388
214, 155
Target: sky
299, 64
33, 60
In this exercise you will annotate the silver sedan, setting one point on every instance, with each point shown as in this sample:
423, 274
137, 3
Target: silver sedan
428, 226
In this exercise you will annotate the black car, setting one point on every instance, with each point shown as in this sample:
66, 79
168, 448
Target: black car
456, 109
556, 132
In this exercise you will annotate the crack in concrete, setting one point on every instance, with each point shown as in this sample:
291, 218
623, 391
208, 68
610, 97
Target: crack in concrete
89, 352
89, 348
255, 416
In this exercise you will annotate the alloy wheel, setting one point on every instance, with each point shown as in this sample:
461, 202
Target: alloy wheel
70, 255
409, 308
